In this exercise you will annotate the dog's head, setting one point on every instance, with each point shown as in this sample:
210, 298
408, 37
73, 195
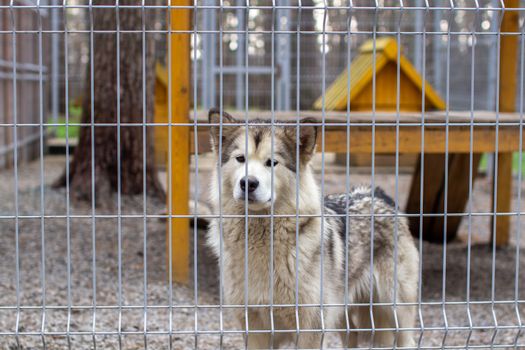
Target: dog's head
252, 159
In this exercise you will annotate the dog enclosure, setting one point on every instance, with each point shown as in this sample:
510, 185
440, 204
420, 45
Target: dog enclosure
106, 163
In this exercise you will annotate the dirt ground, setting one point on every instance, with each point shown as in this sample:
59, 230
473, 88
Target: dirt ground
81, 259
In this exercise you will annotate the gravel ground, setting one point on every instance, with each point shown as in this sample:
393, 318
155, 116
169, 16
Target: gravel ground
132, 290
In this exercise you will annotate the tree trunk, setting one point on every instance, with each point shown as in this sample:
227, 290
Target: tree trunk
106, 144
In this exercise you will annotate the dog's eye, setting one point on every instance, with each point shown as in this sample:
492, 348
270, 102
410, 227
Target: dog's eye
240, 159
269, 162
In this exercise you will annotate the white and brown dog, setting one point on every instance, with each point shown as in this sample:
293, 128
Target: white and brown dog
307, 248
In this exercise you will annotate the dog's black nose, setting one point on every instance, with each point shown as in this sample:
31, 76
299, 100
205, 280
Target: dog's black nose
249, 181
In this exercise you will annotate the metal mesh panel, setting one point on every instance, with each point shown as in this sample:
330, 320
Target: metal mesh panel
292, 266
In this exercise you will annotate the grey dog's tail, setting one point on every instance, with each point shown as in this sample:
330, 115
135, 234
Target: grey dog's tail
353, 202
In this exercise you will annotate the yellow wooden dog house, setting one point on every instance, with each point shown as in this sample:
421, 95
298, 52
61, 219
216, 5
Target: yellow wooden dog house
361, 82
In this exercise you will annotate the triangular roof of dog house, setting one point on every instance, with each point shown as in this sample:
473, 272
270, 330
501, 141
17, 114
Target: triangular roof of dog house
361, 70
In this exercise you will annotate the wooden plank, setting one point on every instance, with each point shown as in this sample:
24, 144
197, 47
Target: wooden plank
381, 160
508, 58
503, 198
434, 194
507, 103
178, 170
458, 191
405, 117
434, 170
409, 139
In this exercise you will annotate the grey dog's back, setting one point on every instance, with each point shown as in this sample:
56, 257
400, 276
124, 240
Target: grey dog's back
363, 218
362, 206
340, 203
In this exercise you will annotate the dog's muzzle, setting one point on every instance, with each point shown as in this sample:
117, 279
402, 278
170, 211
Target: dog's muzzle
249, 184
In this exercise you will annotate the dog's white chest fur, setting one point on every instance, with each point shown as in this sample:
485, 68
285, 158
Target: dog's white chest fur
254, 251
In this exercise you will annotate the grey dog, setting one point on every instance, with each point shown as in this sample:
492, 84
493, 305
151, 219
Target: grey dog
256, 174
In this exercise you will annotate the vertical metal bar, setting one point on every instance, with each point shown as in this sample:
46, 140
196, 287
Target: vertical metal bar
170, 177
272, 180
347, 170
246, 217
445, 185
297, 163
471, 163
219, 176
119, 180
495, 188
93, 192
42, 184
323, 120
144, 184
396, 185
15, 173
196, 182
372, 178
68, 223
421, 180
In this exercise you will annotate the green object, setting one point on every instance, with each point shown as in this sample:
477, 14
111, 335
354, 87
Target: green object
75, 113
60, 130
517, 163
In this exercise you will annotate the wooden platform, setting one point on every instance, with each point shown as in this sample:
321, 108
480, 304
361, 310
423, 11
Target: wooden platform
410, 131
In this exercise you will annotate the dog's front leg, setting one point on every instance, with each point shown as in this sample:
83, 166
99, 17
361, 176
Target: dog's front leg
259, 335
309, 319
258, 340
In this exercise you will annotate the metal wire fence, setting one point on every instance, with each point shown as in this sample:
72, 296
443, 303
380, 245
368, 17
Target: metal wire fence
281, 261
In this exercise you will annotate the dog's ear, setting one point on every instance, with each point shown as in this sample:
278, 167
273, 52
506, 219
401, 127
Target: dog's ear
215, 117
307, 137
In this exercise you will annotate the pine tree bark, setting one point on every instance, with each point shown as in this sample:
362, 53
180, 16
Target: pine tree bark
106, 144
